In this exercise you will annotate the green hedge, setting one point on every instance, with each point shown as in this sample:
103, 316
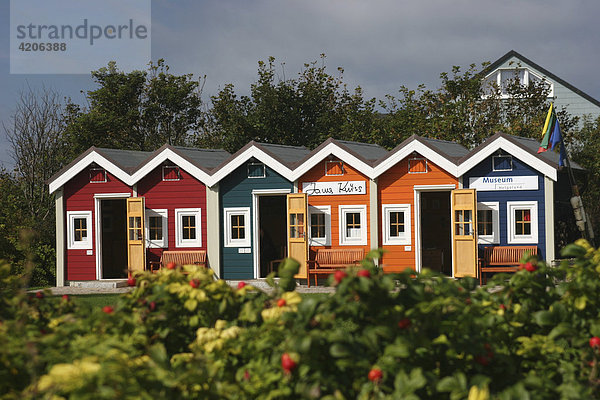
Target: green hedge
527, 335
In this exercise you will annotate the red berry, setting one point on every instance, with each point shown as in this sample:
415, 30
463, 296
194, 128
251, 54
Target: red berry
482, 360
530, 267
131, 281
65, 297
281, 302
241, 285
404, 323
339, 275
502, 307
152, 306
171, 265
468, 300
364, 273
375, 375
287, 363
39, 295
246, 375
487, 346
108, 309
595, 342
194, 283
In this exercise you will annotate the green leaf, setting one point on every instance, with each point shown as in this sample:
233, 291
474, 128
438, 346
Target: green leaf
338, 350
543, 318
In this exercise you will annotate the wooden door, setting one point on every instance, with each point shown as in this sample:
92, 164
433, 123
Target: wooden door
464, 232
296, 227
136, 250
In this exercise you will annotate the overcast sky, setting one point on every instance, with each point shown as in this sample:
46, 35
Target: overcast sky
380, 44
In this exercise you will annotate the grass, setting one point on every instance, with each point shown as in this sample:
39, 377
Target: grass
96, 300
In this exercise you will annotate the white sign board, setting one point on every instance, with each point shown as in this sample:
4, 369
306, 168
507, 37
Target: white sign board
334, 188
486, 183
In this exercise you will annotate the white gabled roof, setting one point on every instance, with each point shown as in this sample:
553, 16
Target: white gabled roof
504, 142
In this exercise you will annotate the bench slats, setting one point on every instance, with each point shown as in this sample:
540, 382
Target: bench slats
180, 257
503, 259
328, 261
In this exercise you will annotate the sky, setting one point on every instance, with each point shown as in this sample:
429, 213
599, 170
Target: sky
380, 44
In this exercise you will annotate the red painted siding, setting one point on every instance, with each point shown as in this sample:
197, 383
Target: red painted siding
396, 186
188, 192
317, 174
79, 196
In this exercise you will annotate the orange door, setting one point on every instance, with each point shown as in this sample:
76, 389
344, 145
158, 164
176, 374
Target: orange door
136, 251
296, 226
464, 235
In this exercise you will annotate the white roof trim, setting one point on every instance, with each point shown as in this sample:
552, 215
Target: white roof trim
92, 157
512, 149
251, 152
181, 162
332, 149
425, 151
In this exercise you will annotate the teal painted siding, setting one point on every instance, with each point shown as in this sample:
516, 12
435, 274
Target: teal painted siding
235, 190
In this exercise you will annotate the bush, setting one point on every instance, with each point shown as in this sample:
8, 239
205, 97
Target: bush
182, 335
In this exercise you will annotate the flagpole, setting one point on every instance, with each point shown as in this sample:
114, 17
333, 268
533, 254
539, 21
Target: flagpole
576, 201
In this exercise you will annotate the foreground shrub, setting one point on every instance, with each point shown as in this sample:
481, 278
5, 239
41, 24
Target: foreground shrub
176, 335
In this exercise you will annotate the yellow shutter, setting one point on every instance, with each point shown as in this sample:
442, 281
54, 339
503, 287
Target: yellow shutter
136, 250
464, 232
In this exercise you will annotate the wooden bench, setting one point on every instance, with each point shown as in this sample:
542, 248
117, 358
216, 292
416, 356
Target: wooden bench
179, 257
327, 261
503, 259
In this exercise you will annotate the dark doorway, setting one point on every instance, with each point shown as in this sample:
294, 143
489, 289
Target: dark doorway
436, 237
272, 233
114, 240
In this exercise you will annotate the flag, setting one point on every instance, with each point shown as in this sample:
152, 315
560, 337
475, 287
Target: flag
552, 136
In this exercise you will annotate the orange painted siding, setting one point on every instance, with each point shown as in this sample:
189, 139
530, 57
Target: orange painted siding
396, 186
317, 174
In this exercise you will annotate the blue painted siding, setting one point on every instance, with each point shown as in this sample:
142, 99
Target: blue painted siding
235, 190
484, 169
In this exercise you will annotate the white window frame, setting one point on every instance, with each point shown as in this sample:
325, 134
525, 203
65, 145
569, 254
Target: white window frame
501, 170
103, 172
179, 240
229, 241
388, 239
80, 244
494, 238
326, 210
526, 72
157, 244
344, 239
511, 206
176, 169
336, 162
264, 170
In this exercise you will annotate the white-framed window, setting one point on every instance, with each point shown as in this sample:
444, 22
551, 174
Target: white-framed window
503, 78
488, 222
417, 165
522, 221
502, 163
97, 175
188, 225
79, 230
319, 219
170, 173
157, 228
353, 225
396, 224
256, 170
334, 168
237, 226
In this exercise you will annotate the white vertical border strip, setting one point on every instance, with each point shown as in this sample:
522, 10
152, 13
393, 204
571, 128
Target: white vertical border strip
60, 237
549, 213
373, 214
213, 234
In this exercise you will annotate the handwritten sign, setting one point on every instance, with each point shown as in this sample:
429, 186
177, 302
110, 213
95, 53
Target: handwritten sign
486, 183
334, 188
